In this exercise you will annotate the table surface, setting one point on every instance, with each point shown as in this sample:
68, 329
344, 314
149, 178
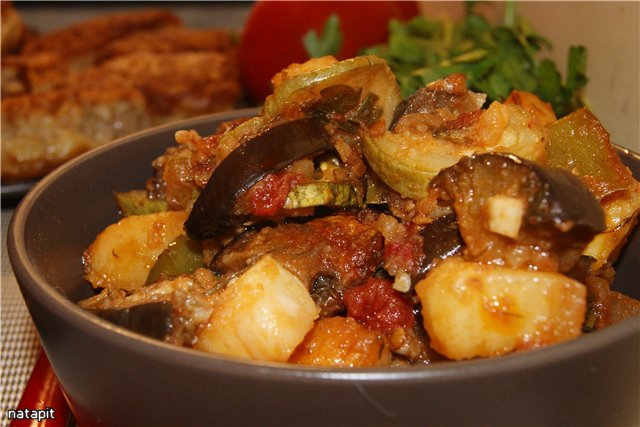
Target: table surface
20, 342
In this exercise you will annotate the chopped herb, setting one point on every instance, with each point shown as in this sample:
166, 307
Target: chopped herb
327, 44
495, 59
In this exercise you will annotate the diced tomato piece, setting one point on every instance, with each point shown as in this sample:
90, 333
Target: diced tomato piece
268, 196
403, 256
377, 306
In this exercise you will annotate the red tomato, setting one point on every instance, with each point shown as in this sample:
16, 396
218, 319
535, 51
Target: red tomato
377, 306
269, 195
408, 9
272, 35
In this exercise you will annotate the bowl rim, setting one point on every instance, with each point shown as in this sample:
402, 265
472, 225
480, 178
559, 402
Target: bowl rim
31, 281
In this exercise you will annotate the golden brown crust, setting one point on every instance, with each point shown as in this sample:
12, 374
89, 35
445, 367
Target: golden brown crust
170, 39
12, 77
36, 73
181, 84
81, 86
40, 132
92, 35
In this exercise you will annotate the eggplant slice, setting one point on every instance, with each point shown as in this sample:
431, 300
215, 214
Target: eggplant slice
154, 319
338, 246
270, 151
441, 239
518, 213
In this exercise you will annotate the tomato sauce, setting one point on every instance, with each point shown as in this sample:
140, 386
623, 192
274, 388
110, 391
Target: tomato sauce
268, 196
377, 306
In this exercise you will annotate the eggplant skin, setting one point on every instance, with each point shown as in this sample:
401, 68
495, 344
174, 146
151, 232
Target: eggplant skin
440, 99
154, 319
564, 200
338, 246
559, 215
270, 151
441, 239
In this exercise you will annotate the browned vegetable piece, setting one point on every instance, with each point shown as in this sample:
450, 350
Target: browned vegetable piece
604, 306
187, 305
443, 123
337, 246
342, 104
440, 101
623, 307
326, 293
342, 342
518, 213
300, 84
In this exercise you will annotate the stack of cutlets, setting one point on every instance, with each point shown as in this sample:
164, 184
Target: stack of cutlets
77, 88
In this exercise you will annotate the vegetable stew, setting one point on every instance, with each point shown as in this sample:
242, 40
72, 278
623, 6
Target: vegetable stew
344, 226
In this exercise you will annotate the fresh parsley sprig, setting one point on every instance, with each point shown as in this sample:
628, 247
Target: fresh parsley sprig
496, 59
328, 43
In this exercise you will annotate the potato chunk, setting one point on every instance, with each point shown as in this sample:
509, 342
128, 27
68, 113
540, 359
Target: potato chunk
122, 255
342, 342
473, 310
262, 315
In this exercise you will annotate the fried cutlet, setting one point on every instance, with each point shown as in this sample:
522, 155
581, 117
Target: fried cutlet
40, 132
76, 88
80, 43
170, 39
176, 85
44, 62
36, 73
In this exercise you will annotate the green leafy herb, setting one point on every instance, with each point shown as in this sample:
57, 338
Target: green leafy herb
327, 44
496, 59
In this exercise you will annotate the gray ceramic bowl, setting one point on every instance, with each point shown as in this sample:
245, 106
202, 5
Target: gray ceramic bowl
113, 377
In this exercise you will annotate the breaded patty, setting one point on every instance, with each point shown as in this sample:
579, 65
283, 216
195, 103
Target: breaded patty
79, 87
170, 39
180, 84
40, 132
80, 43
